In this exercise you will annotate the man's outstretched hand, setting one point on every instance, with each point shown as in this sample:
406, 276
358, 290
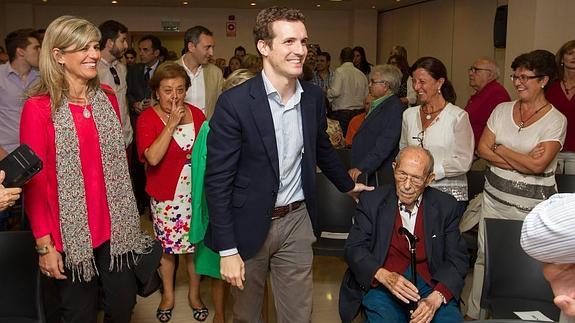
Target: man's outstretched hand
354, 193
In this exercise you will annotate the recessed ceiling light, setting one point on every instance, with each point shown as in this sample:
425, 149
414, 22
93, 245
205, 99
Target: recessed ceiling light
318, 5
252, 4
44, 0
372, 7
114, 2
185, 2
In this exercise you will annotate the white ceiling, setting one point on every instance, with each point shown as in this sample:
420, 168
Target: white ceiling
380, 5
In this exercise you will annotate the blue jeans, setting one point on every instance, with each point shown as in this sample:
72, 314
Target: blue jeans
382, 306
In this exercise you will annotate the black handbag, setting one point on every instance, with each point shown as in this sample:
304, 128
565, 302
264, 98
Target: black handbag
20, 166
146, 271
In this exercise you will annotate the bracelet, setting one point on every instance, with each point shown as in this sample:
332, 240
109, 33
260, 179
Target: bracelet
43, 250
443, 300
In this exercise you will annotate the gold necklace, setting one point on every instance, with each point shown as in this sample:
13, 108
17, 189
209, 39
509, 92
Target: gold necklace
523, 122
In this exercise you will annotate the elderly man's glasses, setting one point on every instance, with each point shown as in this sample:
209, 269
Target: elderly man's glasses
377, 82
420, 136
415, 180
474, 69
523, 78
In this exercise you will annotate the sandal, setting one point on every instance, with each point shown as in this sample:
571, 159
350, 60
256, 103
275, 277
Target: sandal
200, 314
164, 315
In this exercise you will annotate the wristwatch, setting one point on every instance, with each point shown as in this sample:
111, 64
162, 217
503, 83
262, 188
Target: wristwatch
43, 250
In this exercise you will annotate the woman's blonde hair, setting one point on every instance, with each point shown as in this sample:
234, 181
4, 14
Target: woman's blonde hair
252, 62
559, 57
63, 32
238, 77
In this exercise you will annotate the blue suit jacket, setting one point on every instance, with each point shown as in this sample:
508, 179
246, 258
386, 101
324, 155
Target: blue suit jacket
242, 167
138, 87
376, 142
370, 237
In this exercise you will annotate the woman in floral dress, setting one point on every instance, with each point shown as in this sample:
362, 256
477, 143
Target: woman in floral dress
165, 135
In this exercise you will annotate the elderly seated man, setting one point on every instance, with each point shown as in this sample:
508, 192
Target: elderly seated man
378, 254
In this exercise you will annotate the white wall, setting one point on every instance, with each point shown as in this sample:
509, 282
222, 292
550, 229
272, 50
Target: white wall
455, 31
537, 24
364, 33
333, 30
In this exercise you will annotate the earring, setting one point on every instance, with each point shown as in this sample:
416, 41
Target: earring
439, 91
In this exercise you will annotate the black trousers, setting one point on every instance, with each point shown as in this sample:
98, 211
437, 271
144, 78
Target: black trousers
79, 300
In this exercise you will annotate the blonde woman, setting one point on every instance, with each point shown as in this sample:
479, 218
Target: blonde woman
81, 206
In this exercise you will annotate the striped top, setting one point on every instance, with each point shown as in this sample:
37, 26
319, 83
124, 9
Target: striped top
548, 231
509, 187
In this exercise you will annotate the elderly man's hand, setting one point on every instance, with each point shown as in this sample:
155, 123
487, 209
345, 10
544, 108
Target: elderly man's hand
562, 280
397, 285
354, 173
426, 308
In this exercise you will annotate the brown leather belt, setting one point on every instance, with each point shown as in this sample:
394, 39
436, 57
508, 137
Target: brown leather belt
281, 211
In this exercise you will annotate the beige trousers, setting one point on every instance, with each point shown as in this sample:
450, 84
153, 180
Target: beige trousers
287, 255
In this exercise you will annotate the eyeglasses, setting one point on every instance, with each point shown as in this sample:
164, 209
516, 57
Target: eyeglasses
377, 82
115, 75
420, 136
523, 78
401, 176
474, 69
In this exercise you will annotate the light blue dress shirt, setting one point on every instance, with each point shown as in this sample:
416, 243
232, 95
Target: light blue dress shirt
289, 142
12, 99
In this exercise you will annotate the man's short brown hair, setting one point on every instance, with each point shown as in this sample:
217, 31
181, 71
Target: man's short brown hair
18, 39
263, 27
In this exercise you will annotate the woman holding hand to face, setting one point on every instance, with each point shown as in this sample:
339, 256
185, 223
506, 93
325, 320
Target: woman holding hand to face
165, 136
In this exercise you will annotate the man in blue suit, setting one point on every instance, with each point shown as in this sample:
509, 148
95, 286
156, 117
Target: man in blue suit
378, 256
376, 142
267, 136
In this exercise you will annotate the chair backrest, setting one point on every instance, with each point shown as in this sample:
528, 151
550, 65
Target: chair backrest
509, 271
475, 182
334, 209
565, 183
20, 296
